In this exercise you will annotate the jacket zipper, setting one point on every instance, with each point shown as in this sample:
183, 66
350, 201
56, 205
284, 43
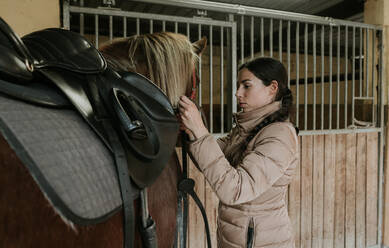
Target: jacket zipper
250, 233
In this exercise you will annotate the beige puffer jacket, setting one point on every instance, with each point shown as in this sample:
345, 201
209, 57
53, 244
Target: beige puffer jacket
253, 191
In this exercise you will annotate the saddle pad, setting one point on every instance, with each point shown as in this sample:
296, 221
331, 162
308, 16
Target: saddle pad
65, 157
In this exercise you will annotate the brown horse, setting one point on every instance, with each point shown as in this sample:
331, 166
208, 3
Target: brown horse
29, 220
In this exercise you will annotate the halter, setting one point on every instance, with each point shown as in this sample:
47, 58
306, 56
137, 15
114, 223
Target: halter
194, 86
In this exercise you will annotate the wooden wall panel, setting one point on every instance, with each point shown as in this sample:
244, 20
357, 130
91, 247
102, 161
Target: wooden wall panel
318, 191
306, 191
340, 193
294, 200
196, 230
360, 201
350, 190
329, 191
371, 189
211, 204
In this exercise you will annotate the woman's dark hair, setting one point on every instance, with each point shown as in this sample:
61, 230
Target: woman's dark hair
267, 70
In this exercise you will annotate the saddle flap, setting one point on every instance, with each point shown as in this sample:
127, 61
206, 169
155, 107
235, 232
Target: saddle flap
149, 129
55, 47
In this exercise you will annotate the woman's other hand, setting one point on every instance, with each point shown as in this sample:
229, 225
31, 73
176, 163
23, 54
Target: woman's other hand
191, 118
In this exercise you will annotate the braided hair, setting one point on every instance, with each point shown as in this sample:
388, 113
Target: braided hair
268, 70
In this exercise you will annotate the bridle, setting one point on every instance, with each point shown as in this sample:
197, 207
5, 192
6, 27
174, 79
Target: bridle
193, 94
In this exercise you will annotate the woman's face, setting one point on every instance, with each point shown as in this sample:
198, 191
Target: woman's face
252, 93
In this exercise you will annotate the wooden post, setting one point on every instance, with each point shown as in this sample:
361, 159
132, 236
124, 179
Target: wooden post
374, 13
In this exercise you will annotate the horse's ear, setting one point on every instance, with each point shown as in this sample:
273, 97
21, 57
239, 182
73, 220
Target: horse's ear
200, 45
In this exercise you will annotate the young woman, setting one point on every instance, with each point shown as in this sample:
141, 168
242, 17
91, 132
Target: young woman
250, 169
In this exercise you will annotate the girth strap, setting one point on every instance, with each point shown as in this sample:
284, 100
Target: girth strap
148, 230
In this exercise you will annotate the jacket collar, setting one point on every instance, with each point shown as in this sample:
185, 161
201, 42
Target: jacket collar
246, 121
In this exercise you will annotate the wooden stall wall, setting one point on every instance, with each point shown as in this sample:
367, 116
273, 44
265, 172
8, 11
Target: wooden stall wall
332, 200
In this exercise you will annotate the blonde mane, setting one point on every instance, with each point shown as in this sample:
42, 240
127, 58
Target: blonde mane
165, 58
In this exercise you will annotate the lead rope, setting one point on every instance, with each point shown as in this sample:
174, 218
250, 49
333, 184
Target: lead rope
185, 187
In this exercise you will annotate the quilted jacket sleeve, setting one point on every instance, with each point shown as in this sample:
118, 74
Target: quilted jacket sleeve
223, 141
275, 147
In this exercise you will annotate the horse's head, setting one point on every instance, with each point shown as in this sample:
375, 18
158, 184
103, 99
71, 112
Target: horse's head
167, 59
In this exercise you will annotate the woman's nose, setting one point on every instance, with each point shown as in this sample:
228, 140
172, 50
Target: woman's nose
238, 93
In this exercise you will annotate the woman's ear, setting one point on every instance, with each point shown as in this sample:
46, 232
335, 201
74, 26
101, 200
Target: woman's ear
273, 87
200, 45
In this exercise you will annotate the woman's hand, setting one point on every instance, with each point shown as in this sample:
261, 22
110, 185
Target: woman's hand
191, 118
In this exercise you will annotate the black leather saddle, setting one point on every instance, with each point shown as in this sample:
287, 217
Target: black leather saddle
61, 69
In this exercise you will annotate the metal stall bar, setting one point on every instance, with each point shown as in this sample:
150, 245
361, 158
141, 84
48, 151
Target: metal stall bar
175, 27
314, 75
164, 26
233, 64
360, 61
353, 82
280, 41
382, 138
252, 37
200, 90
373, 76
124, 26
330, 73
82, 20
338, 80
151, 26
211, 78
345, 78
322, 75
110, 28
262, 38
137, 26
242, 39
96, 30
188, 30
271, 37
288, 53
306, 76
297, 72
367, 61
221, 80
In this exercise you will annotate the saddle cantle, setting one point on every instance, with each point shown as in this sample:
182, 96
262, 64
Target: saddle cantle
62, 69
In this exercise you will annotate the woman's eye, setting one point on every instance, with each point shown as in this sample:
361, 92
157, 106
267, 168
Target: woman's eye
246, 86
